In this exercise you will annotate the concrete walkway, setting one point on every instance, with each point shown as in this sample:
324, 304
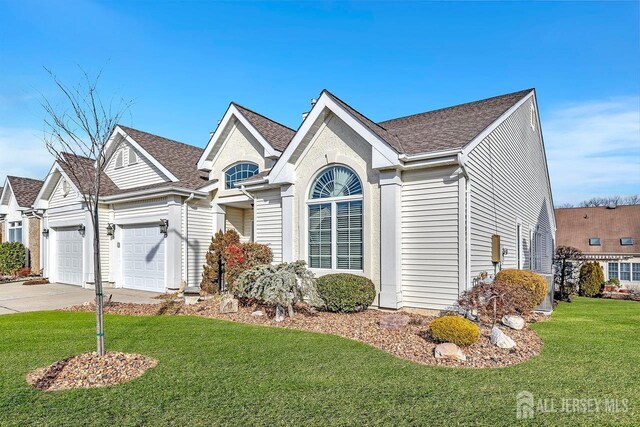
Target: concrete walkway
15, 298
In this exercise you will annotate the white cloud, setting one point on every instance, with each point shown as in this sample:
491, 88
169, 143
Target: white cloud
22, 153
593, 149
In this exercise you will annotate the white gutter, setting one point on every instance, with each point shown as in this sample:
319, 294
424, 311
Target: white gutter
150, 192
246, 193
185, 236
426, 156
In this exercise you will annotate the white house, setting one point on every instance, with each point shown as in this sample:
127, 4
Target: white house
19, 222
413, 203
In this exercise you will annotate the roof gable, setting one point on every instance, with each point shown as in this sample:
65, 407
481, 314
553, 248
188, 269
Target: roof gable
276, 134
24, 190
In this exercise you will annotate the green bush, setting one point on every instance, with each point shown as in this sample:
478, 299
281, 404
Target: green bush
454, 329
591, 279
12, 257
526, 290
345, 292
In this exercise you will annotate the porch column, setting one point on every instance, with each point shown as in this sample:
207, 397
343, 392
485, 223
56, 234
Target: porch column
390, 239
286, 193
218, 217
173, 243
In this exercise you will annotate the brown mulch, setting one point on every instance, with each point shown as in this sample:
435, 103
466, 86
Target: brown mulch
89, 370
411, 342
36, 282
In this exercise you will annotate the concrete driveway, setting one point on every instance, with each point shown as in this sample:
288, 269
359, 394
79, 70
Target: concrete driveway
15, 298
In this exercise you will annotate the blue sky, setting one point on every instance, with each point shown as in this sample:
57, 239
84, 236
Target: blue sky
183, 62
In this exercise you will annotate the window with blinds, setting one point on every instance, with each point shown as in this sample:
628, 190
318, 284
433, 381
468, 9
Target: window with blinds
336, 220
349, 235
320, 236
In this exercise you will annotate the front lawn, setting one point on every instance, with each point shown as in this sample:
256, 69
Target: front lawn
212, 372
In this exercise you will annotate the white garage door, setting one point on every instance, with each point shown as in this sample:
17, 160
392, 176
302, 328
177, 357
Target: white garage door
143, 258
69, 256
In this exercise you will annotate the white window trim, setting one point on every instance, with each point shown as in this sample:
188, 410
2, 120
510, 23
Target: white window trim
225, 170
13, 228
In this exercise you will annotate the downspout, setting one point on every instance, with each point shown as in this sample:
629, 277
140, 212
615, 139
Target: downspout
185, 237
467, 225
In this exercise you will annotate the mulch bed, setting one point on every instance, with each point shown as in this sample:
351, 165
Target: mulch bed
411, 342
89, 370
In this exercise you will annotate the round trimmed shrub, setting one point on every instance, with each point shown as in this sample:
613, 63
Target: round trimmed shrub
345, 293
526, 289
591, 279
454, 329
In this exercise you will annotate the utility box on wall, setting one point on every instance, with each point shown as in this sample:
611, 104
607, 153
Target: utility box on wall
496, 253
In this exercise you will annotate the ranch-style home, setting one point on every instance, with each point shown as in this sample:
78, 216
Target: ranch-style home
19, 222
420, 204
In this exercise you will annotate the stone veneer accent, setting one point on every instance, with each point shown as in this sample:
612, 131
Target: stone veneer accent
34, 244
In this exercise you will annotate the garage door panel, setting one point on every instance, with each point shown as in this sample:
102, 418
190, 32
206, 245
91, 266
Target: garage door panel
69, 256
143, 258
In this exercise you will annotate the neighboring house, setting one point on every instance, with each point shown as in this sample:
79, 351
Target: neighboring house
18, 220
412, 203
155, 216
609, 235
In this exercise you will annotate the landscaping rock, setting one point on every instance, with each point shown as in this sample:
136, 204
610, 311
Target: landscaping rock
228, 304
191, 295
279, 313
449, 351
501, 339
394, 321
514, 322
257, 313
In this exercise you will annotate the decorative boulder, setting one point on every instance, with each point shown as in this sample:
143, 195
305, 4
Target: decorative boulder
514, 322
228, 304
501, 339
279, 313
257, 313
191, 295
393, 321
449, 351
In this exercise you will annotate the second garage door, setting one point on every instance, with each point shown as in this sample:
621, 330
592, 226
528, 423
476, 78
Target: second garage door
143, 258
69, 256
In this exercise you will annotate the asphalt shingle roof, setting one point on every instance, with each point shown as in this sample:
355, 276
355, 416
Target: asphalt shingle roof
276, 134
179, 158
25, 190
575, 226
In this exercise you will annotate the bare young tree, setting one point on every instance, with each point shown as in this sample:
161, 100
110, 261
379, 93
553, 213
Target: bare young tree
77, 131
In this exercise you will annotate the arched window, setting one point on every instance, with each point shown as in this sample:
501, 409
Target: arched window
239, 172
335, 220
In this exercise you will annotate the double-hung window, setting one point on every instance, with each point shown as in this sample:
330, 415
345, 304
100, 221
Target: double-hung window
635, 271
15, 231
625, 271
335, 209
613, 270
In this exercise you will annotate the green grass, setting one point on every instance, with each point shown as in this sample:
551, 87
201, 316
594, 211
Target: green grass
219, 373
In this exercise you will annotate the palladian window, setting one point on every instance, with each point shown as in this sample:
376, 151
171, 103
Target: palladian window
239, 172
335, 220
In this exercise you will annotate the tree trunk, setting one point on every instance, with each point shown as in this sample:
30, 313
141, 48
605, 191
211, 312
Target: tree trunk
97, 277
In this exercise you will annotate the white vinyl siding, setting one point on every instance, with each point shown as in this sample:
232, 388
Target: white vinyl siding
59, 198
200, 232
268, 221
141, 173
151, 210
105, 241
509, 183
430, 247
235, 220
